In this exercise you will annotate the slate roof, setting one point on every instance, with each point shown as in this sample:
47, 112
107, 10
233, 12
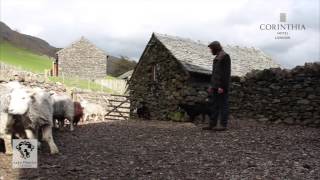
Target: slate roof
196, 57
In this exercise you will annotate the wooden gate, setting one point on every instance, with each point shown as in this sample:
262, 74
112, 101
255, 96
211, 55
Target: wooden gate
120, 107
117, 106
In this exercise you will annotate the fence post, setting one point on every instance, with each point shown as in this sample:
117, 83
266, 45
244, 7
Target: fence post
63, 78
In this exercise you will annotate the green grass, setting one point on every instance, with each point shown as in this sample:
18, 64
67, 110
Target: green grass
23, 58
82, 84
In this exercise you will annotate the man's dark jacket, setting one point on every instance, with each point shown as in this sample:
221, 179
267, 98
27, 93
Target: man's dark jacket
221, 71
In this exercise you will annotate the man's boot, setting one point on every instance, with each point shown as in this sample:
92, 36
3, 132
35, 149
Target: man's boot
221, 128
208, 128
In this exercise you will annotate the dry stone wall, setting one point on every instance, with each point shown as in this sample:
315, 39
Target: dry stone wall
9, 72
279, 95
29, 79
272, 95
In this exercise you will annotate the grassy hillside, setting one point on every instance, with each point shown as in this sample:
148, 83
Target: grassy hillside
23, 58
117, 66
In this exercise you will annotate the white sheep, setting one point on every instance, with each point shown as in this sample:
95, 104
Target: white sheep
36, 108
6, 120
91, 109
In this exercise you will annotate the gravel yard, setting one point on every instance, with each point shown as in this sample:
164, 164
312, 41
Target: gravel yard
168, 150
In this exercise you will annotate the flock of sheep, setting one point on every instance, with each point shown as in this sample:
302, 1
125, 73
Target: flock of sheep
25, 112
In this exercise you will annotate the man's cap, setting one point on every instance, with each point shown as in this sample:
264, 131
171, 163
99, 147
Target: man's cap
214, 44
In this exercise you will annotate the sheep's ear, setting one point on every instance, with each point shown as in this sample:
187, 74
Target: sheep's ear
33, 99
31, 94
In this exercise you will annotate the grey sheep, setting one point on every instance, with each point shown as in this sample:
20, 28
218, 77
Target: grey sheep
63, 108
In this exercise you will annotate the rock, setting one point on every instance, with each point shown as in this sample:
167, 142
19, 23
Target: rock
303, 101
293, 114
307, 122
265, 90
309, 89
276, 101
317, 122
279, 121
312, 96
263, 119
274, 87
289, 121
297, 86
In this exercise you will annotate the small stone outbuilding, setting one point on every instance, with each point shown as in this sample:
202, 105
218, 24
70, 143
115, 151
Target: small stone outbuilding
174, 70
82, 59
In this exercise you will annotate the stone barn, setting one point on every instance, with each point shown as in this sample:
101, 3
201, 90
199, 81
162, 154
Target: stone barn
81, 59
174, 70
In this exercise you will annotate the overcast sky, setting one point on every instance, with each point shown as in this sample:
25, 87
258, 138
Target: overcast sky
123, 27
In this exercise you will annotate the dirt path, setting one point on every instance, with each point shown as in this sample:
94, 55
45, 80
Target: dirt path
168, 150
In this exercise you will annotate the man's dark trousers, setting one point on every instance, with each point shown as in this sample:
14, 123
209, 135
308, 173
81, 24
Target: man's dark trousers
219, 107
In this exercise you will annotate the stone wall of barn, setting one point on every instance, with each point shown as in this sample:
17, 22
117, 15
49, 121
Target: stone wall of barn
195, 88
173, 85
278, 95
82, 60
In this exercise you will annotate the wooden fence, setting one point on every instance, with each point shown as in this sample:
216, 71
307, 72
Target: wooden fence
118, 85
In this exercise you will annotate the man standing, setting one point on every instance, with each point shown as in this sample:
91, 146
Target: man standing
218, 91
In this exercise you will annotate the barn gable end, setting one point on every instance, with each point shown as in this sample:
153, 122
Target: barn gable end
82, 59
156, 78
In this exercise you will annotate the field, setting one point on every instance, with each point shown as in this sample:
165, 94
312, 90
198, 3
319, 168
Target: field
23, 58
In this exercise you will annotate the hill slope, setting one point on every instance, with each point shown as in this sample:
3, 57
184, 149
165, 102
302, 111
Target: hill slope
23, 58
33, 44
117, 66
27, 52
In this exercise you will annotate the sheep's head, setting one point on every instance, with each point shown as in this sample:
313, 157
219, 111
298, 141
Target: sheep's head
20, 100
